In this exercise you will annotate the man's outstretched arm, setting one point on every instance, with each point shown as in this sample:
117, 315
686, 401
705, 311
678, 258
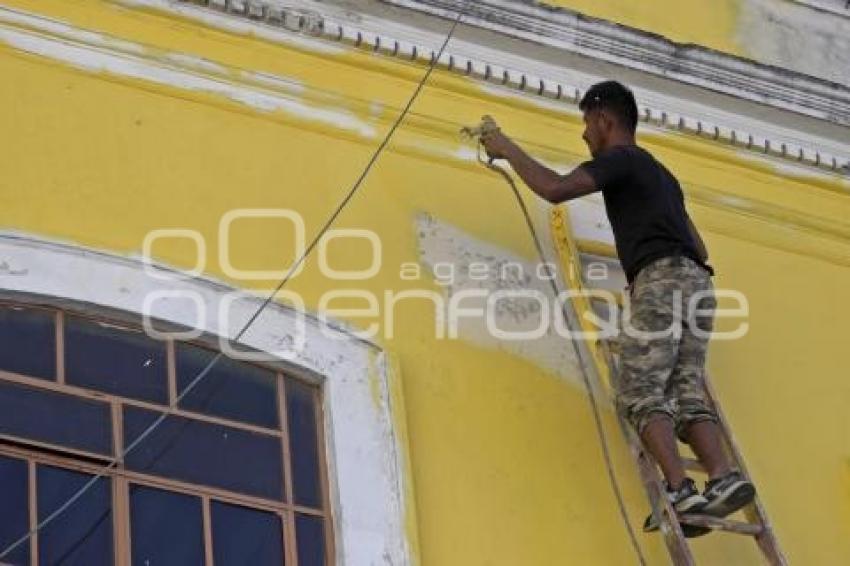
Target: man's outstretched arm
547, 183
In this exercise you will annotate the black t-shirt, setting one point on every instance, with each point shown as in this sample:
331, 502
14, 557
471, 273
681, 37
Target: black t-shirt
645, 206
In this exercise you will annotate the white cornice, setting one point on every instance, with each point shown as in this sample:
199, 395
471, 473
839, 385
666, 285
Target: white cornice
691, 64
335, 30
318, 22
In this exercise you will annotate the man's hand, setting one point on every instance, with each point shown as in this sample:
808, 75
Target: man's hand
547, 183
496, 144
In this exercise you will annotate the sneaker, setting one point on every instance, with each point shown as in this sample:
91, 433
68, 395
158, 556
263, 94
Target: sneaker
686, 499
727, 494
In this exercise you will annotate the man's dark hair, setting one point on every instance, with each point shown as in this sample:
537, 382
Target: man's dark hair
614, 97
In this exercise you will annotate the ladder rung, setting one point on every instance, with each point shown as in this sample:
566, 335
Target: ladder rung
691, 464
722, 524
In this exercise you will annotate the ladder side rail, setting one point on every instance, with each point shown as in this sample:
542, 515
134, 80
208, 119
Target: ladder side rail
755, 512
605, 368
674, 537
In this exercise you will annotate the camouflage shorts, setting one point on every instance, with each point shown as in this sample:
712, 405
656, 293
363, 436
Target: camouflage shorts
663, 342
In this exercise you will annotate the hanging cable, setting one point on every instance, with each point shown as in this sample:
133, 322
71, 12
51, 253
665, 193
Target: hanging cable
195, 381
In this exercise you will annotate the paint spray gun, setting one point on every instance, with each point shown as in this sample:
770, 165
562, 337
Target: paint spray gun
488, 124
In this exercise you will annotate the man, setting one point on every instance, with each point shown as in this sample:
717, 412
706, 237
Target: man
659, 386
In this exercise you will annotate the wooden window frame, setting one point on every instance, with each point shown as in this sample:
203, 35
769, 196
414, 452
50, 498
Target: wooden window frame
45, 453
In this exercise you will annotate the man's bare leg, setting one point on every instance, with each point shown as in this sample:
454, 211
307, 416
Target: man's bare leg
704, 438
659, 438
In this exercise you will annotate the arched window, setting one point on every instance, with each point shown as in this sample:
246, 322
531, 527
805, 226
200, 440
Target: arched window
300, 451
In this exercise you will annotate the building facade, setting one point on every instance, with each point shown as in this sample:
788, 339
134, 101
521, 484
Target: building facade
412, 394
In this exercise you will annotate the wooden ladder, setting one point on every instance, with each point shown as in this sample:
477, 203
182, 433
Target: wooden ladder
604, 360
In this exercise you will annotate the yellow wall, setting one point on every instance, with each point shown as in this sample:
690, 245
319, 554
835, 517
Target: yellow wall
506, 463
712, 23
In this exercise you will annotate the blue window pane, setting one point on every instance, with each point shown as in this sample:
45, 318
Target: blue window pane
28, 342
82, 534
56, 418
210, 454
301, 412
310, 540
166, 528
114, 360
231, 389
245, 536
14, 502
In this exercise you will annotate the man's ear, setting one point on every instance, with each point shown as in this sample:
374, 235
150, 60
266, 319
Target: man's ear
606, 120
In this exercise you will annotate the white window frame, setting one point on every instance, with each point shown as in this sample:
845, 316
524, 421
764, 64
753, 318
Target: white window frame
366, 466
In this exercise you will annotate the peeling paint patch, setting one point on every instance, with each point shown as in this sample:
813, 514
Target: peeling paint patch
466, 153
589, 219
376, 109
185, 59
91, 58
58, 27
478, 266
287, 84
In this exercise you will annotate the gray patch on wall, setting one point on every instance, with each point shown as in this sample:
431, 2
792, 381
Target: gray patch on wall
461, 262
796, 37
